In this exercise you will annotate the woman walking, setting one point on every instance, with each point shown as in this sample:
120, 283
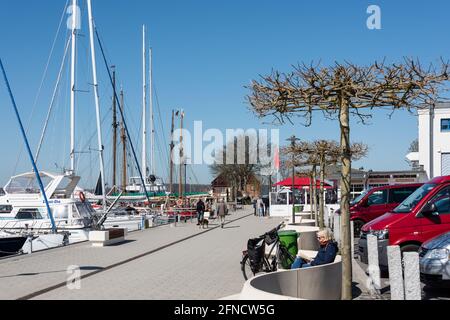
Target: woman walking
222, 212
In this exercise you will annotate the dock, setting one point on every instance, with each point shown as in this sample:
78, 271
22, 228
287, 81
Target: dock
177, 262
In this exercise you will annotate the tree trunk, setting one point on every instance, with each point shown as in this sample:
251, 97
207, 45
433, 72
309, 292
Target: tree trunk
311, 177
344, 120
315, 194
321, 200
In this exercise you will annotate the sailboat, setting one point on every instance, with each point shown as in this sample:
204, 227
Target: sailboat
72, 213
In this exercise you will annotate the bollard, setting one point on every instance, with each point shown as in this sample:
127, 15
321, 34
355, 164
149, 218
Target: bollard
352, 237
395, 273
412, 276
374, 269
337, 228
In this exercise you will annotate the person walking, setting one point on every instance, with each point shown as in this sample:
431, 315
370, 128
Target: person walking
200, 208
260, 207
222, 212
254, 206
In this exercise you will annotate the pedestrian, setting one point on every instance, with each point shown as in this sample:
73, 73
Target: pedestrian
200, 208
260, 206
254, 206
222, 212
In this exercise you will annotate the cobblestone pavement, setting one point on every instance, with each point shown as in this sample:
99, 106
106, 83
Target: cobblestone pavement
428, 293
205, 266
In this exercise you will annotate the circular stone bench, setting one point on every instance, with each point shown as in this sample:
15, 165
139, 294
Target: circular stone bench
307, 239
322, 282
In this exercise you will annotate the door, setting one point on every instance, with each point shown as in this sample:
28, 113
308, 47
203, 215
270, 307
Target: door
438, 223
445, 164
377, 204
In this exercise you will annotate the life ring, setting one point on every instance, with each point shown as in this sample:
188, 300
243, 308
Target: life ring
82, 197
179, 202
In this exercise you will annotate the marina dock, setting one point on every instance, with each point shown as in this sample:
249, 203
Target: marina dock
166, 262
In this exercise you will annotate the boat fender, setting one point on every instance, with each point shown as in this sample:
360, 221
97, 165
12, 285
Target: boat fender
82, 197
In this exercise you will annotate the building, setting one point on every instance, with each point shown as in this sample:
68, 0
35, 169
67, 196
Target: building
363, 180
434, 140
222, 187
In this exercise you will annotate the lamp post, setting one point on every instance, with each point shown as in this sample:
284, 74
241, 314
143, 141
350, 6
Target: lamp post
293, 139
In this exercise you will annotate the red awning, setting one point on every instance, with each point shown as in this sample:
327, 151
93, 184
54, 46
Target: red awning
300, 182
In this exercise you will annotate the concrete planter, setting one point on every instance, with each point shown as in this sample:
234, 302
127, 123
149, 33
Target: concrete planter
315, 283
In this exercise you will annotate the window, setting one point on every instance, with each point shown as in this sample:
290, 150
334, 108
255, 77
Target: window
445, 125
378, 197
5, 209
442, 201
400, 194
28, 214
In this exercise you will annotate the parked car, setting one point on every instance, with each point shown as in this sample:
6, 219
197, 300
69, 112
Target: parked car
375, 202
435, 261
423, 215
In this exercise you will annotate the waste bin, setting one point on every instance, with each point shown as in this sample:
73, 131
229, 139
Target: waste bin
297, 209
288, 239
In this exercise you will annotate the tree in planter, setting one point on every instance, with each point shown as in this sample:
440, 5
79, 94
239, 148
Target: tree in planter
341, 90
322, 153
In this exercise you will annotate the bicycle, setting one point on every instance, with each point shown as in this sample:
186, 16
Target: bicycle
255, 260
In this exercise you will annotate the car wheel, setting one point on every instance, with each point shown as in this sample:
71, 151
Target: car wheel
409, 248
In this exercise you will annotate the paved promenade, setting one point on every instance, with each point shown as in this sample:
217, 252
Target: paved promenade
182, 262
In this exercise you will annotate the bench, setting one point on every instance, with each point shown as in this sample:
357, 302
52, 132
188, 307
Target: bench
107, 237
322, 282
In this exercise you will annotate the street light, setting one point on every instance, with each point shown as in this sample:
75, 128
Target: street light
293, 139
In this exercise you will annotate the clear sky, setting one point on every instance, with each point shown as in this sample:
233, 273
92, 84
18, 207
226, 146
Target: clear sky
205, 52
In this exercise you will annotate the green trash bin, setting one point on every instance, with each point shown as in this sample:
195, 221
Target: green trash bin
288, 239
297, 209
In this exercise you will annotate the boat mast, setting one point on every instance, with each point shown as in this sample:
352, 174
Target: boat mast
180, 184
97, 104
144, 105
72, 85
33, 163
123, 137
114, 125
171, 152
152, 124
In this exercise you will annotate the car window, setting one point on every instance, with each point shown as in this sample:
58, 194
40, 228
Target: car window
378, 197
399, 194
442, 201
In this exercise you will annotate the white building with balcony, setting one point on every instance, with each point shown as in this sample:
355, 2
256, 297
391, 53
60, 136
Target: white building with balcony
434, 140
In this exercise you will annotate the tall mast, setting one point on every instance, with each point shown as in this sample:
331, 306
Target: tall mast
97, 104
180, 184
171, 152
124, 146
144, 106
114, 125
72, 85
152, 123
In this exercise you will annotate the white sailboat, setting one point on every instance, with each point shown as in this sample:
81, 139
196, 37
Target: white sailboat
24, 204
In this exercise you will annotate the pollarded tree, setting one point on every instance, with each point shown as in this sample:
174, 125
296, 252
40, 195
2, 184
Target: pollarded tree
323, 153
338, 91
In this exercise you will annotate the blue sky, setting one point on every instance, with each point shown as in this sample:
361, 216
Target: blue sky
205, 52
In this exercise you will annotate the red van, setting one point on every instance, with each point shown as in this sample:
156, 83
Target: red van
376, 202
422, 216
